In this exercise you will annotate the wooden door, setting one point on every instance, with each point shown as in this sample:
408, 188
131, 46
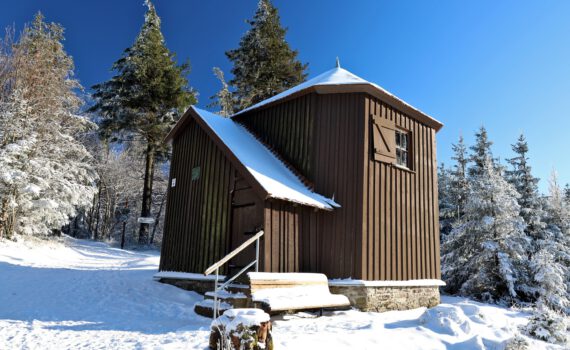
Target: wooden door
247, 220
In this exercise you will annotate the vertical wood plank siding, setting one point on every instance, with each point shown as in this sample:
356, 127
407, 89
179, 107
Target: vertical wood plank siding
298, 238
286, 128
196, 232
400, 216
386, 229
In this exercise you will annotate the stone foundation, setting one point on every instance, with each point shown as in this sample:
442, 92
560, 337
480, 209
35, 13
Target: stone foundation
386, 298
198, 286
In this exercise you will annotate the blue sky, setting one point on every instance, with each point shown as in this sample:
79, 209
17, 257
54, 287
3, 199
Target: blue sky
502, 64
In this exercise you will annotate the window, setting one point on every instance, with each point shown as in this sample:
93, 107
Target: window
389, 143
402, 148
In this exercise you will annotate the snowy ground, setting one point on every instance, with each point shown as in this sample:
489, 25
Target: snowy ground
85, 295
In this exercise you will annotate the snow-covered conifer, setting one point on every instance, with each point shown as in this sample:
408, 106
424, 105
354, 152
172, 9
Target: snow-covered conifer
45, 171
549, 275
548, 325
264, 64
446, 204
223, 99
459, 187
527, 186
481, 153
482, 255
558, 212
144, 99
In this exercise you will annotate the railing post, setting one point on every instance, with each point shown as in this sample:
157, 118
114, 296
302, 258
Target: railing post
257, 255
216, 294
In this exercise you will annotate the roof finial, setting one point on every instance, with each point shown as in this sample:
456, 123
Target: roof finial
337, 62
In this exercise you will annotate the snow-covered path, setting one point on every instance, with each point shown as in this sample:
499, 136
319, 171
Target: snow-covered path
88, 295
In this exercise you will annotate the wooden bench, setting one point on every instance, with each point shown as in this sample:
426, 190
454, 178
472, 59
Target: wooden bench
279, 292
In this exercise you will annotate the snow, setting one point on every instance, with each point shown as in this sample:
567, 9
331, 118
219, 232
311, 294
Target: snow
264, 166
232, 318
335, 76
224, 294
406, 283
300, 297
287, 276
85, 295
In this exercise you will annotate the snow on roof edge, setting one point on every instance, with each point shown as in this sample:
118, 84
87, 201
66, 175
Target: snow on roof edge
284, 184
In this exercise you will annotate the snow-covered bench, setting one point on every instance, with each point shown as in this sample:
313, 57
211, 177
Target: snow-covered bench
278, 292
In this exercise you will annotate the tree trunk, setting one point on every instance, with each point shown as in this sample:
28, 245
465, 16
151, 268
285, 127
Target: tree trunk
91, 213
157, 220
3, 216
147, 193
96, 231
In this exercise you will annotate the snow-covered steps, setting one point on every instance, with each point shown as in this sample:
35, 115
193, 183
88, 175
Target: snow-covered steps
206, 307
237, 300
237, 296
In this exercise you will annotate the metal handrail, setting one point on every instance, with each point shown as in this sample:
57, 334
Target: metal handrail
225, 259
233, 253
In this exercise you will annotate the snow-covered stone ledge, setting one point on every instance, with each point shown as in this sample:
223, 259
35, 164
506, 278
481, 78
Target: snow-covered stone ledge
407, 283
186, 276
388, 295
189, 281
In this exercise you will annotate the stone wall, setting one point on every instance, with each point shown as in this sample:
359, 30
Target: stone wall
199, 286
374, 298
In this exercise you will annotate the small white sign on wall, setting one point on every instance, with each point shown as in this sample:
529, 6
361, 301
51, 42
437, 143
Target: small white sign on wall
173, 184
143, 220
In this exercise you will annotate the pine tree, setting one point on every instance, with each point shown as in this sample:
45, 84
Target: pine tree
459, 187
264, 64
481, 256
223, 99
481, 152
144, 99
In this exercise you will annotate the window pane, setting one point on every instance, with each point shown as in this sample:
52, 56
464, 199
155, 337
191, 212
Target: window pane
397, 138
404, 138
405, 158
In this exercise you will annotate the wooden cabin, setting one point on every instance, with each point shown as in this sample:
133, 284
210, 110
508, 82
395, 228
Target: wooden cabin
340, 174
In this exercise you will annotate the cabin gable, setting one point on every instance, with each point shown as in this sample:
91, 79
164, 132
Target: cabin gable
203, 189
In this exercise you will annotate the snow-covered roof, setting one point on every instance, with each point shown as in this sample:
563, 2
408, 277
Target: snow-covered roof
341, 77
270, 172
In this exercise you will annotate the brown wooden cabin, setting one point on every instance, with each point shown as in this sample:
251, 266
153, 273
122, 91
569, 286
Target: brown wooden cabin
359, 199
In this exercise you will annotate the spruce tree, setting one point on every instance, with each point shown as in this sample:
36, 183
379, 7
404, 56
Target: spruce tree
459, 187
264, 64
446, 203
567, 194
557, 211
482, 255
481, 152
527, 186
223, 99
144, 100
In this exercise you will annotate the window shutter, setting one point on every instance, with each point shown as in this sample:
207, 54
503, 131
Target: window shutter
384, 139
